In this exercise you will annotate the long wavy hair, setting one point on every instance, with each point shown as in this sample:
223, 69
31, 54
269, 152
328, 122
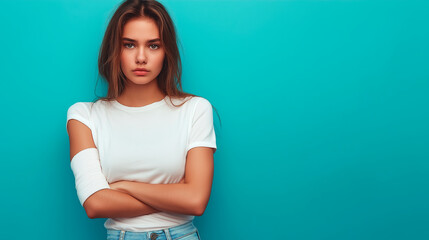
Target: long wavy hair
169, 79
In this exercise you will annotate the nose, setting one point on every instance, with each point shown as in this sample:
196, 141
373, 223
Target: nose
141, 55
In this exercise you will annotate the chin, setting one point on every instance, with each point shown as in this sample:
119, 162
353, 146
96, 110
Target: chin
138, 80
141, 82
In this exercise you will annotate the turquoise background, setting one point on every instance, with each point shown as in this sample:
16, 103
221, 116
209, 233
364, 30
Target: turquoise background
324, 108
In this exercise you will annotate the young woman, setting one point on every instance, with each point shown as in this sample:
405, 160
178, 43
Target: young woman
143, 155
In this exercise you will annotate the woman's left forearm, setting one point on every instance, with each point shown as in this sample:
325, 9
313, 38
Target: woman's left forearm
177, 197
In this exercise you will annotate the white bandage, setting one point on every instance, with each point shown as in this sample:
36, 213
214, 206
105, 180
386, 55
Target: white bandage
87, 172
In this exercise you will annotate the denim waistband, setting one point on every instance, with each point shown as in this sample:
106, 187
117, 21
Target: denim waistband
169, 233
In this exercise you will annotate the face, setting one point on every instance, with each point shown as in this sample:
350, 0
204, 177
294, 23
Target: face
141, 48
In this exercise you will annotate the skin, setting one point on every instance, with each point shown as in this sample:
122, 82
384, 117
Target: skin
141, 53
129, 198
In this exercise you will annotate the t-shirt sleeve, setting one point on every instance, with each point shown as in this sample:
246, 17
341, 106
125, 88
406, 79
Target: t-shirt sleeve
202, 132
79, 111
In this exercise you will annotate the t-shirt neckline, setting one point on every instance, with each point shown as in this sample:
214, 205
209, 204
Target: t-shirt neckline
142, 108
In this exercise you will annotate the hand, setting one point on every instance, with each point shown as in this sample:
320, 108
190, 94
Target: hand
183, 180
118, 185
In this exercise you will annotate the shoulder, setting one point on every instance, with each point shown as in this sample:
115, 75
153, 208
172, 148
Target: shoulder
80, 111
197, 101
190, 102
199, 106
86, 107
202, 103
79, 107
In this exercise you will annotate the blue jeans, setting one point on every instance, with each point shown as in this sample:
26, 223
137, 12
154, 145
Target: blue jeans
185, 231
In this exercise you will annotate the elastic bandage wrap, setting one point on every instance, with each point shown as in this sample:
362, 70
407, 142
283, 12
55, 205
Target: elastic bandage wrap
87, 172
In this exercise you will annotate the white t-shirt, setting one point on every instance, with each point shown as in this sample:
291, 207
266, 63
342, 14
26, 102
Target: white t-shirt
147, 144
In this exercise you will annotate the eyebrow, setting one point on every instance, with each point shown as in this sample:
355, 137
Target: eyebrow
149, 41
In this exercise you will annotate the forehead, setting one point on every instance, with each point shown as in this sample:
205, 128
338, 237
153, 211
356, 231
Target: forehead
141, 28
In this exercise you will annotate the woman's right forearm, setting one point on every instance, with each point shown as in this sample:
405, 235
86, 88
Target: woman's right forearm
115, 204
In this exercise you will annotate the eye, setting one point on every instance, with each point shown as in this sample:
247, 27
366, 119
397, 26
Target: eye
127, 44
157, 46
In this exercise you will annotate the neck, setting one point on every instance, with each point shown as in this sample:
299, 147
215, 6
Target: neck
138, 95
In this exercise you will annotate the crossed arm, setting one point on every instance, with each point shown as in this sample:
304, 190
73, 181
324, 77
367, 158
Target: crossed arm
190, 196
131, 199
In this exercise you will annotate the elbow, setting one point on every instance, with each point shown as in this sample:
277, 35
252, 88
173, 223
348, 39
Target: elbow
199, 212
96, 211
199, 203
199, 207
94, 206
90, 210
91, 214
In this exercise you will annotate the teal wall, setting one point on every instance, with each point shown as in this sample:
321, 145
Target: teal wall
324, 108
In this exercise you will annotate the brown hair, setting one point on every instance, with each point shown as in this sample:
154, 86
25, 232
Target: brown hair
169, 79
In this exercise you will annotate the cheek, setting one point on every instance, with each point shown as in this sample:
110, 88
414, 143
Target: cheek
122, 59
125, 60
160, 59
125, 57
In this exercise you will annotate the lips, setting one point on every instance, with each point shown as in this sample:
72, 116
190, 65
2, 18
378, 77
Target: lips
141, 73
141, 70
